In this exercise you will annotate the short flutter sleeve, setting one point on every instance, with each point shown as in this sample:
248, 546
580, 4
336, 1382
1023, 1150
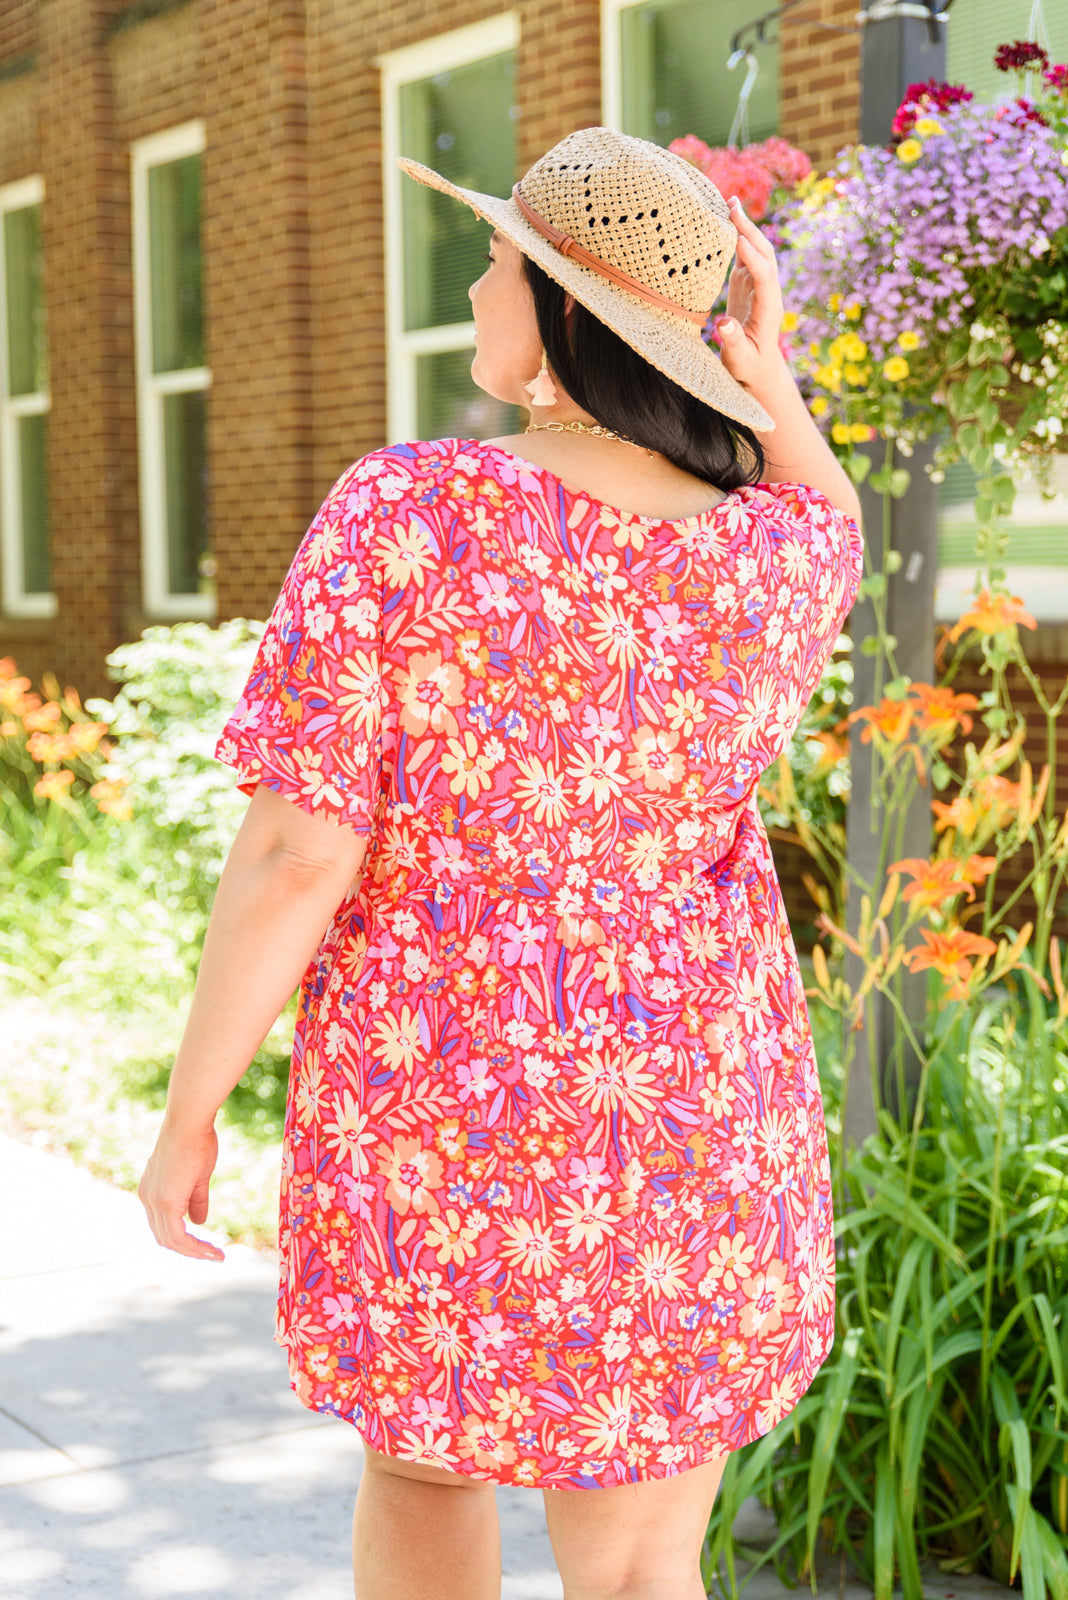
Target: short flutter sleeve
803, 563
309, 724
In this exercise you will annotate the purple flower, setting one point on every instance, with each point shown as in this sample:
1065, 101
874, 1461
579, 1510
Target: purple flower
912, 244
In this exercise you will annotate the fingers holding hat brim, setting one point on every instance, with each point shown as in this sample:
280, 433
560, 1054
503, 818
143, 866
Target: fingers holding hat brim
672, 347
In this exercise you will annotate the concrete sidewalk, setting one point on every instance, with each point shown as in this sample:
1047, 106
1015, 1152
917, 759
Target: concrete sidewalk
149, 1441
150, 1445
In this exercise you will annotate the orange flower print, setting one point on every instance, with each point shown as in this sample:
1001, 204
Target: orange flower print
412, 1173
654, 761
427, 689
483, 1442
768, 1297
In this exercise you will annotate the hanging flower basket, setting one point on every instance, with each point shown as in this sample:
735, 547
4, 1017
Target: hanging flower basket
927, 281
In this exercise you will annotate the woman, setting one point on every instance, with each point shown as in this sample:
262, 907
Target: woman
556, 1205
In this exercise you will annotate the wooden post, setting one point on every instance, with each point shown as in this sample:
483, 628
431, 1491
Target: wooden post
894, 53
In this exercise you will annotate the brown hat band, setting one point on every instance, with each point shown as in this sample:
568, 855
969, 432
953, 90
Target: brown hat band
567, 246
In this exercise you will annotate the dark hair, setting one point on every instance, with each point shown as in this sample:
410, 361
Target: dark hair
618, 387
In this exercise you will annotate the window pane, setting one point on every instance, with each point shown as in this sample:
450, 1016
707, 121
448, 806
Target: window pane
977, 27
26, 334
449, 406
675, 77
174, 255
185, 467
461, 124
33, 475
1037, 534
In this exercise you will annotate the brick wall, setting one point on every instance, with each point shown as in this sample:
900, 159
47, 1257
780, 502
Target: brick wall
819, 79
86, 244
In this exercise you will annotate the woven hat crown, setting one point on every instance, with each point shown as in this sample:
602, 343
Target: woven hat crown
642, 209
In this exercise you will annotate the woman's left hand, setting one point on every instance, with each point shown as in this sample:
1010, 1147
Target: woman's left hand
749, 332
175, 1185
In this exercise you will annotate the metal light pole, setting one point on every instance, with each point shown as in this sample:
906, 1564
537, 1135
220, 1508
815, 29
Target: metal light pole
896, 50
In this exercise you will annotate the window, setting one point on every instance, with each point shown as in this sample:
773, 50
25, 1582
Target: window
1036, 557
448, 102
172, 378
665, 73
24, 404
977, 27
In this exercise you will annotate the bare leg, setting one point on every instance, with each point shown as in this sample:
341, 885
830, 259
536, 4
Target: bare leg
420, 1533
639, 1541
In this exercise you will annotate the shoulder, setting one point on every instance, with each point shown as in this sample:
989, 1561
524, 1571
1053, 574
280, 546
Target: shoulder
414, 471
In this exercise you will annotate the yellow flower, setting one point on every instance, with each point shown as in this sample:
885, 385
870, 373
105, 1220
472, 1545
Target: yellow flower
819, 405
895, 369
857, 376
835, 302
790, 319
840, 433
860, 432
927, 127
829, 377
909, 340
909, 150
853, 347
853, 311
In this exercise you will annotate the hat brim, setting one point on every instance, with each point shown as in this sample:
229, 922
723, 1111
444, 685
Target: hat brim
669, 344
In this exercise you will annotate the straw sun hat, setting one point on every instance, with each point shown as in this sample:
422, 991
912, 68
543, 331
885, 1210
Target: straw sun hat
639, 236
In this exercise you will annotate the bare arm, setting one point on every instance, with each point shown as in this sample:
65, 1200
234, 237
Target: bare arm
796, 452
283, 880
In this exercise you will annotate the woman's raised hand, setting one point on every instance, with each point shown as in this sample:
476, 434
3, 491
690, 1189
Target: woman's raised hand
749, 332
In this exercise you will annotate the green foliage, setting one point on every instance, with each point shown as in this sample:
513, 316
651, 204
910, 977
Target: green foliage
178, 685
938, 1429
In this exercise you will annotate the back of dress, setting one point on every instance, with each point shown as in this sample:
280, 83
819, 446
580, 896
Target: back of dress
557, 1209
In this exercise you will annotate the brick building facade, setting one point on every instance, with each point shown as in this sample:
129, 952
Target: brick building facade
286, 101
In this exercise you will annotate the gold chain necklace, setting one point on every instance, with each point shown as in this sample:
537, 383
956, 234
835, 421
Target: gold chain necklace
584, 427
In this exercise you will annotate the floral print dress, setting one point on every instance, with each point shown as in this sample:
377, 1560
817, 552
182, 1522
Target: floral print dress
555, 1202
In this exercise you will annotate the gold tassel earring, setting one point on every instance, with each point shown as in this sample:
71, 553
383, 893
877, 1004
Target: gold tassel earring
542, 390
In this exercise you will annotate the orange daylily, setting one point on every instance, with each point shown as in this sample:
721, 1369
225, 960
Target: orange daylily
977, 868
933, 881
993, 613
890, 718
941, 708
948, 953
832, 750
959, 813
54, 785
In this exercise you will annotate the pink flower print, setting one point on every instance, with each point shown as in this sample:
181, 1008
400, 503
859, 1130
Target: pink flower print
340, 1311
494, 592
587, 1172
522, 943
600, 724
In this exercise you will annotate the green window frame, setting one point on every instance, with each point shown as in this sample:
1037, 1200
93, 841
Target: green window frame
448, 102
173, 378
25, 539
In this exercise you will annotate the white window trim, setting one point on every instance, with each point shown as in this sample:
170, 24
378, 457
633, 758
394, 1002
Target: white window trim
612, 63
188, 139
443, 53
17, 603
